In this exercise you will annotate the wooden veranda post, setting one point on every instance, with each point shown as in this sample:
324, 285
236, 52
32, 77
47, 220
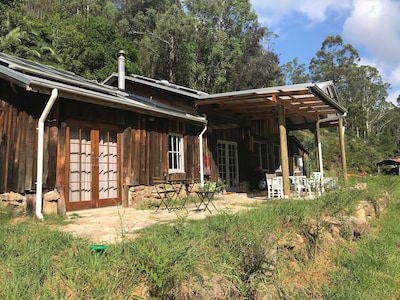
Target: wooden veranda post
342, 150
284, 150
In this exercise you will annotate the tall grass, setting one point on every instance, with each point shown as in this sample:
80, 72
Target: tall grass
185, 258
370, 269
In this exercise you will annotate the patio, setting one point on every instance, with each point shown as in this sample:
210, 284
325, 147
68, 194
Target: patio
114, 224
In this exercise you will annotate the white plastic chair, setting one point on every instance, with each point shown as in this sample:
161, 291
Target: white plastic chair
315, 182
301, 184
274, 186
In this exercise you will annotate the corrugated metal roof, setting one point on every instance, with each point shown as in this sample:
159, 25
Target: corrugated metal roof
42, 78
159, 84
304, 103
390, 161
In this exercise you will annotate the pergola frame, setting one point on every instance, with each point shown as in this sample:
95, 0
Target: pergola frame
296, 107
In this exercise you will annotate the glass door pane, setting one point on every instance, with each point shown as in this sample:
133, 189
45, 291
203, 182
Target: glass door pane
80, 164
228, 164
108, 164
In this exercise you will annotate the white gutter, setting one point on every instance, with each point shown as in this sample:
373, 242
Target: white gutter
201, 155
319, 147
39, 179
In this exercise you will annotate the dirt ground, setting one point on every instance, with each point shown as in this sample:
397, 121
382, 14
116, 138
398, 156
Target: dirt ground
111, 224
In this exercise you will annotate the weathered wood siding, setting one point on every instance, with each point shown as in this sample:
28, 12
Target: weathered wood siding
145, 152
144, 140
18, 149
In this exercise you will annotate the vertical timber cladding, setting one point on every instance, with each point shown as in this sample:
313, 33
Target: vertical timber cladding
145, 148
17, 149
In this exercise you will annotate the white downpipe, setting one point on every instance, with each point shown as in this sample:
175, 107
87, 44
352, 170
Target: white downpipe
201, 155
321, 167
320, 163
39, 179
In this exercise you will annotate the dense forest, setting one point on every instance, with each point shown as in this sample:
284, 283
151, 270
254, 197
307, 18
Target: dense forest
209, 45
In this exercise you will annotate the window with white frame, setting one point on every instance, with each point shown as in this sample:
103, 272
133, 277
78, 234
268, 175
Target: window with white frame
175, 153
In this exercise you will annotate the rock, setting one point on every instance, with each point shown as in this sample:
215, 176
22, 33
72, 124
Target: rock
359, 227
50, 202
50, 207
382, 202
360, 186
15, 197
364, 210
51, 196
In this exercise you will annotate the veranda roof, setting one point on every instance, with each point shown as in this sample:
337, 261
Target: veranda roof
304, 104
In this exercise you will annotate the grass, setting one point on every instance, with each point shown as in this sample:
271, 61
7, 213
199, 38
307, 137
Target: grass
370, 269
225, 255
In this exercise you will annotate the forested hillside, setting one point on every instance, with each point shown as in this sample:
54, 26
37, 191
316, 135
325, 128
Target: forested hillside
209, 45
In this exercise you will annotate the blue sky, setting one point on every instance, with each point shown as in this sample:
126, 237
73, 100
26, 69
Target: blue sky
371, 26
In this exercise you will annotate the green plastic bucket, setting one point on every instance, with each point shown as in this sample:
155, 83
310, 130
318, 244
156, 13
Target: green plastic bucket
98, 249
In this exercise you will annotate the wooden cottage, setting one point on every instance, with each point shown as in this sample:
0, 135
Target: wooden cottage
92, 142
248, 132
87, 141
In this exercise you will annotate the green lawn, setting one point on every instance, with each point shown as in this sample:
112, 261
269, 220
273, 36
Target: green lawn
240, 255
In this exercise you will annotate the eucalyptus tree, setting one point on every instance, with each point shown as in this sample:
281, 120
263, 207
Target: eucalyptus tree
227, 46
361, 88
371, 106
258, 65
336, 61
295, 72
162, 38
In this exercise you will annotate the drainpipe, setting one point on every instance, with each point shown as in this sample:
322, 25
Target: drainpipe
201, 155
39, 179
121, 69
319, 147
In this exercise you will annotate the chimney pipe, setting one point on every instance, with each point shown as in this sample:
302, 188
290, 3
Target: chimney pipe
121, 69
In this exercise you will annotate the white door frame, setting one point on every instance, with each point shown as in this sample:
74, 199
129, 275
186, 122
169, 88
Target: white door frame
228, 164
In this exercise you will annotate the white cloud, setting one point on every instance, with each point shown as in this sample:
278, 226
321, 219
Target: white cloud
272, 12
375, 25
371, 26
392, 97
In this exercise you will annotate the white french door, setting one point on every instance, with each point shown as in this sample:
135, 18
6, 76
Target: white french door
228, 166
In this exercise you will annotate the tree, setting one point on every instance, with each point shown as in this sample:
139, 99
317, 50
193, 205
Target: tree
257, 66
227, 52
24, 36
294, 72
89, 47
360, 88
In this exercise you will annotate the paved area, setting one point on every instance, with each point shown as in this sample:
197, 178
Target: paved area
112, 224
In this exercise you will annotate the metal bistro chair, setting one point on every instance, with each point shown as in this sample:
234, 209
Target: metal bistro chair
206, 193
165, 192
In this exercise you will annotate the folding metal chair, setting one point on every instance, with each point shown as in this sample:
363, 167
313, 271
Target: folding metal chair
206, 193
165, 192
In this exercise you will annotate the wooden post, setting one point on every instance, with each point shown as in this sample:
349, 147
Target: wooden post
61, 209
284, 151
125, 196
342, 150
